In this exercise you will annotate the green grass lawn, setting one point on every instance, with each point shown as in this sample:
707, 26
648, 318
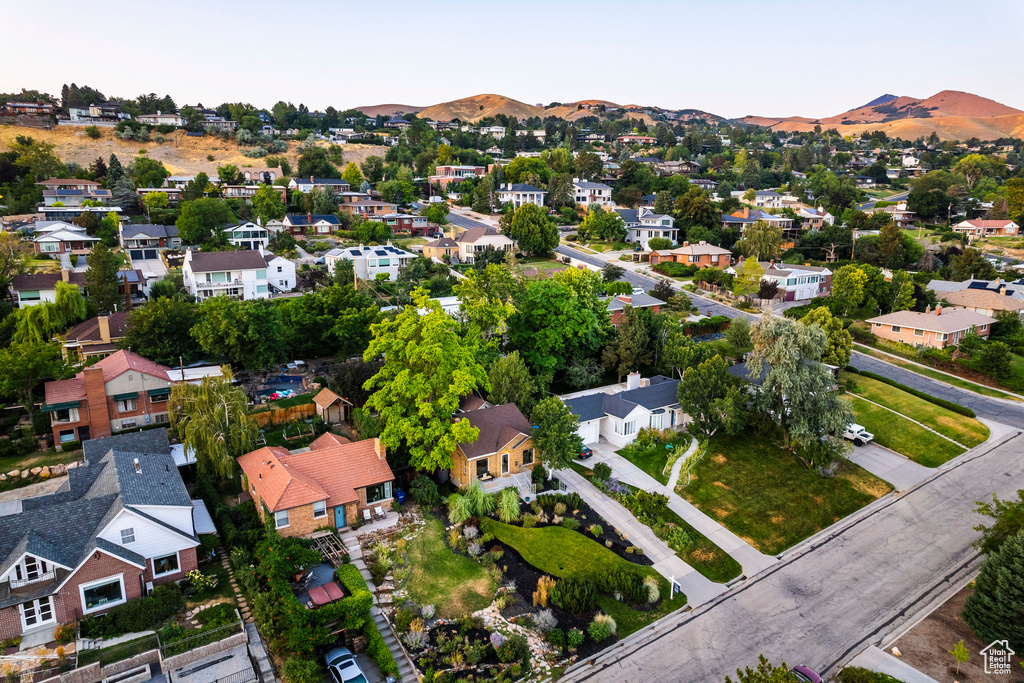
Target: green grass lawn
653, 460
291, 401
119, 652
540, 263
726, 350
560, 552
455, 584
769, 497
902, 435
935, 374
966, 430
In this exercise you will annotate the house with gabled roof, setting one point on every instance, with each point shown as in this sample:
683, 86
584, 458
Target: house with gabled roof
980, 227
699, 254
617, 414
306, 185
372, 260
96, 337
747, 216
298, 224
330, 483
644, 224
939, 328
120, 524
501, 455
330, 407
241, 274
475, 240
146, 241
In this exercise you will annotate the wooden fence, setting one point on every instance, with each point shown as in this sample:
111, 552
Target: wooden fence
280, 416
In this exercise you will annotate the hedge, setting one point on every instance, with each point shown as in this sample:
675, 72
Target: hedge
674, 269
715, 323
941, 402
378, 649
142, 614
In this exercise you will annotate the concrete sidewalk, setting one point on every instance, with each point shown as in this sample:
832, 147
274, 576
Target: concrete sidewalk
899, 470
874, 659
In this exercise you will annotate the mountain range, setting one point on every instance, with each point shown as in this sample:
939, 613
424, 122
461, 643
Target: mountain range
950, 114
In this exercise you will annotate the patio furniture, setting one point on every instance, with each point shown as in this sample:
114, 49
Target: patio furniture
366, 515
378, 512
325, 594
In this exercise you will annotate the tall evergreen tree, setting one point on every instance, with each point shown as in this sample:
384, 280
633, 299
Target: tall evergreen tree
995, 611
114, 171
101, 279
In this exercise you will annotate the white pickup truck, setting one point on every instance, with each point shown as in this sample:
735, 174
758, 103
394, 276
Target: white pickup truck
858, 435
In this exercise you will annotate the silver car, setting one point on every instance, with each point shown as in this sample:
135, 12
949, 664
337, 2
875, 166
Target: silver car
341, 664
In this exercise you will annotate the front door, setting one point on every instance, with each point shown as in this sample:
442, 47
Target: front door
83, 433
339, 517
504, 463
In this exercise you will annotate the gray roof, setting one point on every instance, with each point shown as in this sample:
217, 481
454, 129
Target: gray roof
587, 185
1014, 288
615, 303
520, 187
661, 393
152, 230
245, 259
741, 371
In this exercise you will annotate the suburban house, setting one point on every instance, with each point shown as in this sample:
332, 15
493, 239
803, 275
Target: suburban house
299, 224
477, 239
306, 186
37, 288
280, 272
106, 111
370, 261
120, 524
72, 191
417, 226
246, 235
586, 193
29, 107
369, 207
518, 194
985, 301
160, 119
95, 337
814, 219
65, 239
899, 214
618, 303
699, 254
618, 414
247, 192
328, 484
502, 453
977, 227
796, 282
67, 213
330, 407
767, 199
705, 184
637, 139
669, 168
173, 193
234, 274
644, 225
122, 391
1009, 288
262, 176
439, 248
145, 241
446, 175
864, 181
937, 328
747, 216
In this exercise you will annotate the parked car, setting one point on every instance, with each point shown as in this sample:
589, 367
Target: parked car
638, 290
585, 453
858, 435
805, 674
341, 663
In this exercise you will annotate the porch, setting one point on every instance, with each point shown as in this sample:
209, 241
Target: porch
521, 480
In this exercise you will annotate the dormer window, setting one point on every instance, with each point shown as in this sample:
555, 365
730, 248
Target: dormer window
127, 536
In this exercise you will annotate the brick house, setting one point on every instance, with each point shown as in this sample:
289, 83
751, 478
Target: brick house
503, 448
937, 329
121, 524
617, 304
446, 175
700, 254
330, 484
95, 337
977, 228
122, 391
298, 223
369, 207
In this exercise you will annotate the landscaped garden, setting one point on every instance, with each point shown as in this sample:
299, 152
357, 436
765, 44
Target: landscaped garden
655, 458
901, 435
769, 497
455, 583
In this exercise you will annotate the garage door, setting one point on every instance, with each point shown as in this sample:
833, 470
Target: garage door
150, 253
136, 254
590, 431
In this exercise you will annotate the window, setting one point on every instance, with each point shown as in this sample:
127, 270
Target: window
379, 492
67, 436
29, 295
896, 328
69, 415
281, 519
279, 269
102, 594
372, 263
319, 509
918, 333
160, 418
217, 278
159, 398
128, 424
625, 428
261, 289
384, 262
941, 336
168, 564
283, 283
261, 274
127, 405
656, 421
528, 456
127, 536
36, 612
30, 568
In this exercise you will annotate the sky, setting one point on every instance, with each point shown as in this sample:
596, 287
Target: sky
811, 58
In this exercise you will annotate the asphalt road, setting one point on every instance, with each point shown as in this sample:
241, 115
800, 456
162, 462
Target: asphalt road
464, 222
826, 602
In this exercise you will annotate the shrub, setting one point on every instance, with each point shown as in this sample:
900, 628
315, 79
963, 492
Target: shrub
574, 637
10, 642
427, 611
302, 670
602, 471
645, 506
143, 614
497, 640
559, 508
415, 640
674, 535
378, 649
607, 620
508, 505
595, 530
403, 619
673, 269
93, 132
545, 587
598, 632
624, 584
514, 649
544, 620
200, 583
573, 500
217, 615
556, 637
575, 595
570, 524
855, 674
423, 490
470, 532
529, 520
64, 633
70, 446
653, 590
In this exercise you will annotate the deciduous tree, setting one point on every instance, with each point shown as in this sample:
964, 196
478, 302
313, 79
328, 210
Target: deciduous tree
848, 288
201, 219
630, 347
708, 394
760, 241
23, 366
511, 382
267, 204
160, 331
248, 333
839, 343
532, 231
557, 437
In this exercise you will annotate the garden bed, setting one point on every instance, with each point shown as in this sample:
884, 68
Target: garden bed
654, 459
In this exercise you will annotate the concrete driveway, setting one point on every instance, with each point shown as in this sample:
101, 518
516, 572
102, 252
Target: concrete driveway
898, 470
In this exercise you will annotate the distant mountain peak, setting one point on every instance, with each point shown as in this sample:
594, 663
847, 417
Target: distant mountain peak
884, 99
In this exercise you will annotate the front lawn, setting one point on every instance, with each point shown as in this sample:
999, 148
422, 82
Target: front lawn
966, 430
903, 436
769, 497
653, 460
455, 584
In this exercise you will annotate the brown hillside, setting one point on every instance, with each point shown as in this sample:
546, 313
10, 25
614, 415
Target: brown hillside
187, 158
480, 106
946, 127
956, 103
389, 109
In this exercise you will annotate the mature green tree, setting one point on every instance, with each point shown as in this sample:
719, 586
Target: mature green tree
533, 232
682, 353
114, 171
123, 193
797, 390
766, 672
436, 212
201, 219
154, 200
486, 301
40, 323
228, 174
611, 271
995, 611
709, 395
323, 201
428, 367
890, 246
995, 359
603, 225
23, 366
588, 165
267, 204
511, 382
160, 331
333, 320
738, 334
695, 209
313, 163
373, 169
149, 172
901, 291
839, 343
212, 417
557, 437
195, 188
102, 281
1008, 324
248, 333
630, 347
748, 278
1009, 519
760, 241
848, 285
972, 264
560, 191
352, 175
15, 254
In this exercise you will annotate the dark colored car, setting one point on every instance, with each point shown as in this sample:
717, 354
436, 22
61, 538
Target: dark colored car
806, 674
585, 453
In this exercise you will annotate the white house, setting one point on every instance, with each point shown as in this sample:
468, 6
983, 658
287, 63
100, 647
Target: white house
796, 282
280, 272
234, 274
518, 194
159, 119
586, 193
618, 415
306, 185
476, 240
371, 261
644, 225
768, 199
246, 235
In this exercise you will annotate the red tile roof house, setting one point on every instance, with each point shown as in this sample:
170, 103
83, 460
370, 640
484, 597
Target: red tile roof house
330, 484
122, 391
978, 228
936, 329
700, 254
121, 523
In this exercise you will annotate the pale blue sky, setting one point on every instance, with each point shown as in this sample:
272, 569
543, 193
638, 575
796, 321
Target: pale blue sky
730, 57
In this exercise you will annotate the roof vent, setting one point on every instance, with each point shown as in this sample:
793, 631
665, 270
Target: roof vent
137, 468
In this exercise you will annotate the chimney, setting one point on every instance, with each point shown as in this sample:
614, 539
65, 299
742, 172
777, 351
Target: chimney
686, 244
312, 179
625, 299
1002, 290
188, 254
938, 309
379, 449
96, 397
138, 470
104, 324
633, 381
309, 217
65, 275
928, 309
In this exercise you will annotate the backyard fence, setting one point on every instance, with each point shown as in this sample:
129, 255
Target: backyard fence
281, 416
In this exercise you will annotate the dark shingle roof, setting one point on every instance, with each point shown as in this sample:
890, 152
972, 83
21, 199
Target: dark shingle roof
306, 219
498, 426
661, 393
131, 230
227, 260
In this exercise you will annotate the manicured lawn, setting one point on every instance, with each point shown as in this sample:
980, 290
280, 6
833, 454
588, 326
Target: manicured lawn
653, 460
902, 435
539, 263
629, 620
727, 350
769, 497
933, 374
454, 584
966, 430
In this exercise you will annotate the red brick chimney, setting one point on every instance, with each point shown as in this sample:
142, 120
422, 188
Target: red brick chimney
96, 395
380, 449
625, 299
938, 309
